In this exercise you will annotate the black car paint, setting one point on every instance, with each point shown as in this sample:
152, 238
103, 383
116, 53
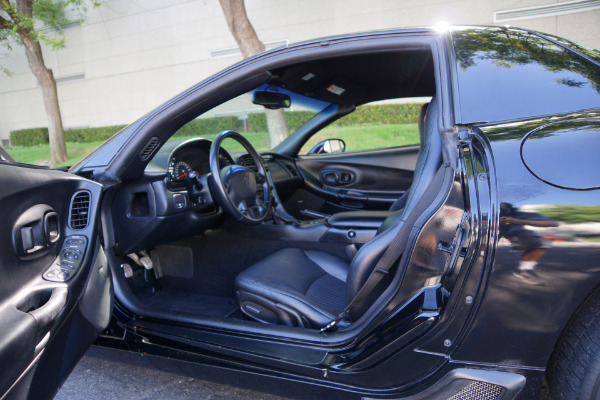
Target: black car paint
492, 321
454, 328
528, 319
497, 322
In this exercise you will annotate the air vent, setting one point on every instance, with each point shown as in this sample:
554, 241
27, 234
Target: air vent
149, 148
80, 209
290, 168
247, 161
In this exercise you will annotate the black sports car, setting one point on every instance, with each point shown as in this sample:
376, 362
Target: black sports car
460, 263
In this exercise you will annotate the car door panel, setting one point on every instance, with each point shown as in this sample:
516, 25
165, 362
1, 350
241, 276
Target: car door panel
370, 180
53, 274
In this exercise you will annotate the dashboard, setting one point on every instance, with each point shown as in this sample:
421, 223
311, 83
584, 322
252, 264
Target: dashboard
189, 160
173, 200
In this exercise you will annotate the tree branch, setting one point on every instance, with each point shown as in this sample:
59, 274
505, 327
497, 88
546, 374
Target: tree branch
25, 7
5, 24
7, 8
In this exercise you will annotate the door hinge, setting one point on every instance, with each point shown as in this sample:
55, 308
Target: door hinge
465, 131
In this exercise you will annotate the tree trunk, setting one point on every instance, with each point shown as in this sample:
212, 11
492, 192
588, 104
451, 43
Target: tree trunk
278, 129
249, 43
45, 78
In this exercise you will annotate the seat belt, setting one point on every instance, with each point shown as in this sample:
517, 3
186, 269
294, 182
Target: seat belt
396, 247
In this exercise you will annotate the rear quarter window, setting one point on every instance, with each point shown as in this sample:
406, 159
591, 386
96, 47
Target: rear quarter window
505, 74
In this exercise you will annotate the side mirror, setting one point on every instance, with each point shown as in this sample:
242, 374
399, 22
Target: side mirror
329, 146
271, 100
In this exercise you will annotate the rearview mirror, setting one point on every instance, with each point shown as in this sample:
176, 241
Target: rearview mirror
329, 146
271, 100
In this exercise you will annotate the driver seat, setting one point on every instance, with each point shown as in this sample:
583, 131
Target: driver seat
309, 288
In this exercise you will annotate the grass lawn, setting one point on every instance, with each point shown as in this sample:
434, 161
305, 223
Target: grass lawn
362, 137
40, 154
368, 137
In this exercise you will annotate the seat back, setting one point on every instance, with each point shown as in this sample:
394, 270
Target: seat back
430, 158
400, 203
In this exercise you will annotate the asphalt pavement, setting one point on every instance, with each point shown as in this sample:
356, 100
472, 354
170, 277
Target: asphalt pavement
105, 373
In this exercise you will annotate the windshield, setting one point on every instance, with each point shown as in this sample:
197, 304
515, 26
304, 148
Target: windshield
263, 128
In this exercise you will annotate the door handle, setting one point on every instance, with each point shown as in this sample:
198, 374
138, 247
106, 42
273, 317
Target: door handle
46, 313
35, 231
333, 177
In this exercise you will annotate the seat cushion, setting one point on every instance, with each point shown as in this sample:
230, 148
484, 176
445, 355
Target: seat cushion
310, 284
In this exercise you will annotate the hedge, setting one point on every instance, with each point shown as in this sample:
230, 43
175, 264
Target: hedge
257, 122
29, 137
380, 114
385, 114
35, 136
92, 134
208, 126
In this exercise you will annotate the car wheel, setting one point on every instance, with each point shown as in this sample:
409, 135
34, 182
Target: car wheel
574, 371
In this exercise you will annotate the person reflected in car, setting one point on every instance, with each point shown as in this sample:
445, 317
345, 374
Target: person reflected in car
534, 245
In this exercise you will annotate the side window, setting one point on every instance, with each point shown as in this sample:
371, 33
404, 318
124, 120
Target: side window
372, 126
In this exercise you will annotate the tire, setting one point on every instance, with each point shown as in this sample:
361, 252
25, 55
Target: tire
574, 370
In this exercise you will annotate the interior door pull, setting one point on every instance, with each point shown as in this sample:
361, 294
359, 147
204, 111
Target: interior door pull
51, 227
46, 313
35, 231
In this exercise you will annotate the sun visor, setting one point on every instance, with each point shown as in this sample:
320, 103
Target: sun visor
341, 91
304, 78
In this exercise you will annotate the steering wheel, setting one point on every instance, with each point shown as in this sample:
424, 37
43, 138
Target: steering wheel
236, 187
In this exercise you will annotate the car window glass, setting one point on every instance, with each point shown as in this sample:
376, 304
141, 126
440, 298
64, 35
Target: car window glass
241, 115
373, 126
505, 74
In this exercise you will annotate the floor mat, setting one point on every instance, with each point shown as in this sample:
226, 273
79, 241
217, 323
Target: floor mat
191, 303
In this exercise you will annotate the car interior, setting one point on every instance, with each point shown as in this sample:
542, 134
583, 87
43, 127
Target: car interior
290, 241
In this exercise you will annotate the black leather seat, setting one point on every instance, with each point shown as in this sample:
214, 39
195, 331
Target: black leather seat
294, 287
310, 288
400, 203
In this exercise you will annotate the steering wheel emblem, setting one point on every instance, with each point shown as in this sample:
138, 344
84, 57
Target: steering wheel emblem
246, 180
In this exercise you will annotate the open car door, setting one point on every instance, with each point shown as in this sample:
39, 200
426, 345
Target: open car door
55, 291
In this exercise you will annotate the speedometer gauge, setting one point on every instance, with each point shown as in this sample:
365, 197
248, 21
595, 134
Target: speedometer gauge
181, 170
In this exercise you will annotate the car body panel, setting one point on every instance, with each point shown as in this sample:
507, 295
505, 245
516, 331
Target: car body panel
525, 318
492, 173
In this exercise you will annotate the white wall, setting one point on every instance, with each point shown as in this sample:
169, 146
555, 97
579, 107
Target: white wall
130, 56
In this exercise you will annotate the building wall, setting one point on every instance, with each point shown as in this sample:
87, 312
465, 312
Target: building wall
130, 56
